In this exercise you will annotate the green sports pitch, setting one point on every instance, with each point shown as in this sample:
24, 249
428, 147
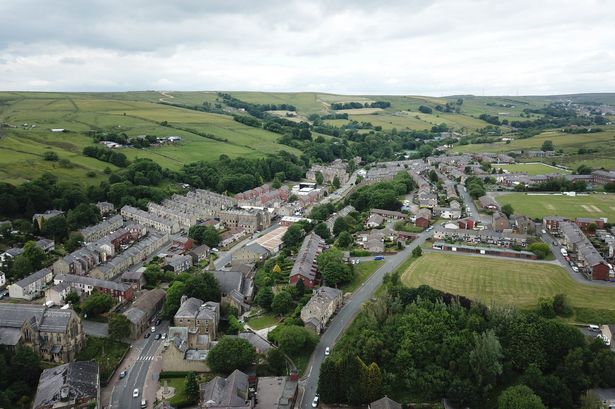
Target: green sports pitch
537, 206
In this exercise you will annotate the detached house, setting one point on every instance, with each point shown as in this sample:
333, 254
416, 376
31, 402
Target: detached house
323, 304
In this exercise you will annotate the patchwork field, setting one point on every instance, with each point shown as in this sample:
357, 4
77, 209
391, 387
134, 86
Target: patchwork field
504, 281
531, 168
22, 147
537, 206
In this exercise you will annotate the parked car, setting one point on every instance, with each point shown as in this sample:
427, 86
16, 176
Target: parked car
157, 337
153, 329
135, 393
379, 258
157, 322
575, 269
315, 401
143, 403
164, 335
123, 374
147, 335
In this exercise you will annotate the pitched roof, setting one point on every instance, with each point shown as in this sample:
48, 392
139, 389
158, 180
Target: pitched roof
32, 278
226, 392
75, 380
306, 256
385, 403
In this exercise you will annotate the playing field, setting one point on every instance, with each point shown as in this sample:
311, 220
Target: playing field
531, 168
504, 281
537, 206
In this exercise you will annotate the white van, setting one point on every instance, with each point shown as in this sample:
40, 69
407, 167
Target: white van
594, 328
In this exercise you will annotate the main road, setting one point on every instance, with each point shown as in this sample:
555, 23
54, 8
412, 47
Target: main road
347, 314
137, 368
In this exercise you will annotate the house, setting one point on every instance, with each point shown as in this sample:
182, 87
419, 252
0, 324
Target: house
41, 218
46, 245
235, 288
423, 218
500, 221
276, 392
322, 305
143, 310
260, 344
384, 403
250, 220
178, 355
10, 254
31, 286
305, 267
199, 253
428, 200
585, 223
523, 225
251, 253
465, 224
551, 223
200, 318
75, 385
448, 212
231, 236
374, 220
602, 177
102, 229
183, 244
388, 214
105, 208
488, 203
178, 263
122, 292
134, 278
231, 392
55, 335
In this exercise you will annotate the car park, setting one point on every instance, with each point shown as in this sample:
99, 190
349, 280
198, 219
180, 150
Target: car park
135, 393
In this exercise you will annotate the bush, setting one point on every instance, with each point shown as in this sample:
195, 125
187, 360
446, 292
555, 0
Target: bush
50, 156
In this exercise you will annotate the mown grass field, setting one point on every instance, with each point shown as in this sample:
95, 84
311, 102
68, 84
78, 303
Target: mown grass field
531, 168
504, 281
22, 147
537, 206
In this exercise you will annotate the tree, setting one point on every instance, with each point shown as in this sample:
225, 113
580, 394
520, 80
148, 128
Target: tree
282, 303
541, 249
192, 387
319, 178
333, 268
345, 240
561, 305
75, 239
97, 303
35, 254
417, 251
485, 359
425, 109
119, 326
322, 230
83, 215
519, 397
584, 170
204, 235
336, 182
50, 156
433, 176
203, 286
293, 339
547, 146
328, 382
371, 382
26, 365
172, 301
507, 209
293, 236
21, 267
609, 187
340, 225
276, 362
72, 298
230, 354
264, 297
55, 228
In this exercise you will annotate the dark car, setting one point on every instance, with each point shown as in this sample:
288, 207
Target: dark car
158, 322
157, 337
147, 334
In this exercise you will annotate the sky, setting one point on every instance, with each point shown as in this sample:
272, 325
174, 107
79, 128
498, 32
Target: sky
412, 47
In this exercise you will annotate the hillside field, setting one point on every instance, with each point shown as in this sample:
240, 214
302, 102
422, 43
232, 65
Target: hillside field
538, 206
22, 147
531, 168
504, 281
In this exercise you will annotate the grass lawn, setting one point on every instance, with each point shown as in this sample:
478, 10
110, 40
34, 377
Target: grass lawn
263, 321
537, 206
507, 282
531, 168
362, 271
106, 352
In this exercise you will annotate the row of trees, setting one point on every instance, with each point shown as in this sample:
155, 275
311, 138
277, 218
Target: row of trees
106, 155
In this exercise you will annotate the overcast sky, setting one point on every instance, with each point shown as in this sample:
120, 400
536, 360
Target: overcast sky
438, 47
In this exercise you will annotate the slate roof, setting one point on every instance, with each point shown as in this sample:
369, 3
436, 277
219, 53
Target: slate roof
32, 278
13, 316
94, 282
221, 392
75, 380
385, 403
307, 254
195, 308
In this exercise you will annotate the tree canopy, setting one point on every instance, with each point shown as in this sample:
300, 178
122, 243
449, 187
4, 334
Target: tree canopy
230, 354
